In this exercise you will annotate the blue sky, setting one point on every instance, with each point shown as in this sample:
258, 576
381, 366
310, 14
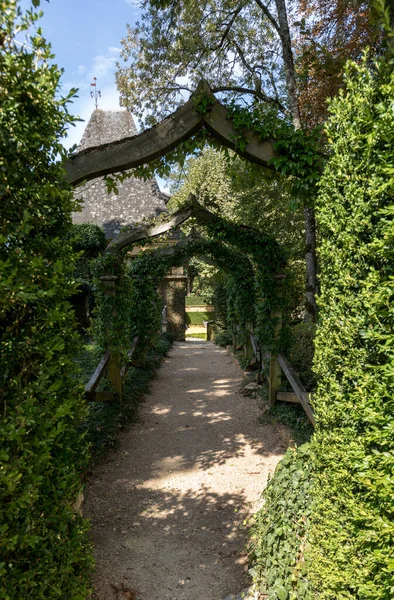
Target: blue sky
85, 37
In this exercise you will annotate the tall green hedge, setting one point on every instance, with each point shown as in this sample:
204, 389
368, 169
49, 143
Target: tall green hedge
351, 553
326, 531
44, 552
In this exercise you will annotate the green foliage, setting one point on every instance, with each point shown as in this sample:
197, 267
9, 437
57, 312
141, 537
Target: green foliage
198, 318
105, 419
248, 195
88, 242
151, 267
288, 413
44, 550
88, 238
117, 301
350, 554
199, 336
220, 298
301, 351
280, 528
195, 301
223, 338
298, 150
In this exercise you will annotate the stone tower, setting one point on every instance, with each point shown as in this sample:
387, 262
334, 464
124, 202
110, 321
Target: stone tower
137, 199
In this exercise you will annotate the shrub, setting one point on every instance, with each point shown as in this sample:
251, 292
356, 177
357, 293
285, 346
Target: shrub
279, 529
351, 550
198, 318
44, 552
223, 338
196, 301
88, 241
88, 238
198, 336
344, 529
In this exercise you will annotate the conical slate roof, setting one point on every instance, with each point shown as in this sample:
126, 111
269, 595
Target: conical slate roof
137, 199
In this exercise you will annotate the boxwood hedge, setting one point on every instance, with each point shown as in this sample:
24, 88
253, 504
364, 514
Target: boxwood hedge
326, 531
351, 551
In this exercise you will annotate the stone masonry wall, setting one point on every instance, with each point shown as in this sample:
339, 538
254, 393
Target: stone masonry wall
173, 292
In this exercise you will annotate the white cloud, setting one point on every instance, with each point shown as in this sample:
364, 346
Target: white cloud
114, 50
81, 70
102, 65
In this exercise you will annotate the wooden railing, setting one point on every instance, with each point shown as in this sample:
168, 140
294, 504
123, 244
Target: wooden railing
278, 365
300, 394
116, 376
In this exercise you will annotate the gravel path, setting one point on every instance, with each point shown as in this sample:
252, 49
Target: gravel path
168, 507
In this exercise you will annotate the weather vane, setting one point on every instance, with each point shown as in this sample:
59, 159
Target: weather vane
96, 94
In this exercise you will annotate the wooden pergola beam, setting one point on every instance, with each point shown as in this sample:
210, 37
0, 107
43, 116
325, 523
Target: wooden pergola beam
158, 141
127, 238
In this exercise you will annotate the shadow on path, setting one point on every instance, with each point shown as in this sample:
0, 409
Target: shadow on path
167, 509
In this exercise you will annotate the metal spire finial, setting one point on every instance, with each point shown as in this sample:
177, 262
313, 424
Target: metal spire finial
96, 94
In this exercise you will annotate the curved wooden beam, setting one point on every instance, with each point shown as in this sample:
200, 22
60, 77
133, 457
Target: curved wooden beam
136, 150
153, 143
127, 238
218, 122
149, 230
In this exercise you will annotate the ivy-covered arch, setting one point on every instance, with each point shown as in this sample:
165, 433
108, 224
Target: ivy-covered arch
254, 260
147, 271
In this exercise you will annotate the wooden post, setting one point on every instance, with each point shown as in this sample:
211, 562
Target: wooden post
248, 348
114, 365
275, 373
210, 331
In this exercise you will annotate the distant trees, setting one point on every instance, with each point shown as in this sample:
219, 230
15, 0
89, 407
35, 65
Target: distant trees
331, 32
253, 53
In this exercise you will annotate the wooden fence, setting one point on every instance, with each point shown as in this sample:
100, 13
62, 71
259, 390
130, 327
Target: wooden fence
115, 373
279, 365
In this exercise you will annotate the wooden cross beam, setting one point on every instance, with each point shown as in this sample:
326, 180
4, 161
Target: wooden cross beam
158, 141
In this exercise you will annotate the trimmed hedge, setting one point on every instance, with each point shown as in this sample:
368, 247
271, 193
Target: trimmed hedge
196, 301
198, 318
198, 336
44, 550
351, 550
326, 530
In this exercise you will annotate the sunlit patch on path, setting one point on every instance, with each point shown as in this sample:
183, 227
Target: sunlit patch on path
168, 507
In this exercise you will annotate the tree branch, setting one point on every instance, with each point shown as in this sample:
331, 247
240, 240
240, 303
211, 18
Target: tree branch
241, 90
229, 25
269, 16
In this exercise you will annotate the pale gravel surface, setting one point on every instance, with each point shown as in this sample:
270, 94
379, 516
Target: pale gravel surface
167, 508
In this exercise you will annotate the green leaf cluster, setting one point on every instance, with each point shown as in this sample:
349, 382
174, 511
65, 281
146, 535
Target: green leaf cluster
279, 530
44, 550
88, 241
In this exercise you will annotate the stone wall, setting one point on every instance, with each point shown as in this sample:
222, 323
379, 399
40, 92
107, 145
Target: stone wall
173, 292
136, 199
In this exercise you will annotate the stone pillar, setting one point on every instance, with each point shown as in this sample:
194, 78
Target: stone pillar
173, 291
